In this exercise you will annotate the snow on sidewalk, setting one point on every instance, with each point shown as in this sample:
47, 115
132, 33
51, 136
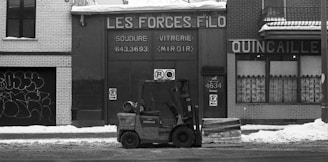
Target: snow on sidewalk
38, 129
313, 131
107, 141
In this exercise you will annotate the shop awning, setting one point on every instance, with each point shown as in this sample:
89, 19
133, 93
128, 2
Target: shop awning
108, 9
291, 30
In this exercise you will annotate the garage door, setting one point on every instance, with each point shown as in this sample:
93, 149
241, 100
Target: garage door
134, 54
27, 96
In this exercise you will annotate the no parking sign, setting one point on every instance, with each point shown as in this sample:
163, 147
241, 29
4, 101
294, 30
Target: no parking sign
164, 74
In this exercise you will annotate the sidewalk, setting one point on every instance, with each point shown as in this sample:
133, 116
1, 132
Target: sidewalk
313, 131
41, 134
64, 134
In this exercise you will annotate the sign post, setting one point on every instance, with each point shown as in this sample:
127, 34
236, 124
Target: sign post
324, 67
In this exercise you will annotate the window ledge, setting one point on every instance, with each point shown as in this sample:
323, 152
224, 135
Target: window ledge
19, 39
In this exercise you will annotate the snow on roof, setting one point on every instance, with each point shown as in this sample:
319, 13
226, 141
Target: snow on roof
291, 25
133, 2
103, 9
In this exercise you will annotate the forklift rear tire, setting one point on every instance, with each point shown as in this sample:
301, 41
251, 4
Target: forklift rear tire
130, 139
183, 137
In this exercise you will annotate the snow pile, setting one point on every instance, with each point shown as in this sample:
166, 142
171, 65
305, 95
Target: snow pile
38, 129
150, 6
317, 130
250, 127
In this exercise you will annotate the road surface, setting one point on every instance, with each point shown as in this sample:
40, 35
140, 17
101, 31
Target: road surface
245, 152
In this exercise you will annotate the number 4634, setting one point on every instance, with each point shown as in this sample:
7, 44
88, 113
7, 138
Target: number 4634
213, 85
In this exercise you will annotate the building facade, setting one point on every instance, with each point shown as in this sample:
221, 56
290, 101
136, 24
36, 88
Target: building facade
113, 50
274, 59
35, 62
254, 60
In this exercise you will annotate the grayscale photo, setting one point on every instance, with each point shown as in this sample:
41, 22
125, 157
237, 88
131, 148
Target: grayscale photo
163, 80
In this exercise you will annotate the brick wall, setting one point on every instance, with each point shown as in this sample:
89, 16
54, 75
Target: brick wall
53, 29
63, 79
242, 23
49, 49
242, 18
302, 3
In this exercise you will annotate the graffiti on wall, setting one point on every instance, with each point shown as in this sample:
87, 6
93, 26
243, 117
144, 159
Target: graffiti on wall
22, 96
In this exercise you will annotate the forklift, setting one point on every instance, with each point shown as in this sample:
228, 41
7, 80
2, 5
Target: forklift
163, 115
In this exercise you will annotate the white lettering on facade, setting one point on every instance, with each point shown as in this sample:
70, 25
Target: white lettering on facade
280, 48
186, 21
175, 38
256, 46
119, 22
163, 22
131, 38
168, 49
222, 21
270, 47
142, 20
169, 23
235, 46
129, 23
160, 22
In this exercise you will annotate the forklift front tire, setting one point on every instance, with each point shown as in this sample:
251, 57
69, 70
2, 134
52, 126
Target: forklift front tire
130, 139
183, 137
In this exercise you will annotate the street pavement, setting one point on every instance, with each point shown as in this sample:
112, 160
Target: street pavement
112, 136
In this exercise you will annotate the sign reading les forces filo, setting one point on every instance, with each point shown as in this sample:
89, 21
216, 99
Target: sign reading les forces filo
274, 46
166, 21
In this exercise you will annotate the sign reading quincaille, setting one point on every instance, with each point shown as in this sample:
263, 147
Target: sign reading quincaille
161, 21
274, 46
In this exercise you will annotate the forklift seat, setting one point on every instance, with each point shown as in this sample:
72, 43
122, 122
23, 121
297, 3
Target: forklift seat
150, 113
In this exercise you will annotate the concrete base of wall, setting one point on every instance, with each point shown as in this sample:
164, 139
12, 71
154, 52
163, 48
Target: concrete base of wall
275, 121
87, 123
274, 111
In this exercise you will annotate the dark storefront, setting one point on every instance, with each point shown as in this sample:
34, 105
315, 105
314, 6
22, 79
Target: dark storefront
27, 96
112, 53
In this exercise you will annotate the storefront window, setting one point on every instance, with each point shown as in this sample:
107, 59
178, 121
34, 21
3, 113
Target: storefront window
310, 79
278, 78
283, 78
251, 79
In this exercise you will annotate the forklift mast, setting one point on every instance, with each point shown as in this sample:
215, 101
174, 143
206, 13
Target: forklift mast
168, 97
